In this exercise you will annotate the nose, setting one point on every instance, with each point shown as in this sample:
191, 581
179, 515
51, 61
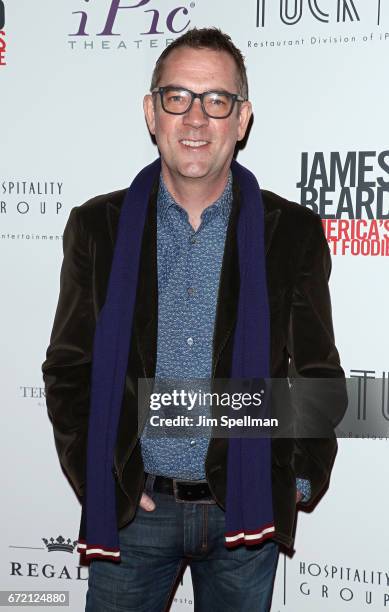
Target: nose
195, 115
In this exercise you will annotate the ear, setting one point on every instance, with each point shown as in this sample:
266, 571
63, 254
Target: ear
148, 107
245, 113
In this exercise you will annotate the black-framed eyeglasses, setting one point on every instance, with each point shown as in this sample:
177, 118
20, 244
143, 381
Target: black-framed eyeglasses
215, 104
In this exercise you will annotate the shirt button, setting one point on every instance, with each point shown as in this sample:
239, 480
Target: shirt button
193, 442
190, 341
191, 291
193, 240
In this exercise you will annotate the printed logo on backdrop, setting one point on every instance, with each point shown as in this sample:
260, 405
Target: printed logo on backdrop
183, 595
125, 24
3, 42
26, 205
353, 22
35, 394
367, 414
339, 585
47, 561
350, 191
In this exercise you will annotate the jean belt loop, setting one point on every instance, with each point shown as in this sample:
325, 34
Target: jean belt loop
149, 484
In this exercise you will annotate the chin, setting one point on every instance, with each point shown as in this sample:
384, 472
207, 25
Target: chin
193, 170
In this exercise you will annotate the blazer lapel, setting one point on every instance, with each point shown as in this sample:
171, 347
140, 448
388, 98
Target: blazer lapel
271, 222
113, 213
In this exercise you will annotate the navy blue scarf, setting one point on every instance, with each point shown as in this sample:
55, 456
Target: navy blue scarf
249, 508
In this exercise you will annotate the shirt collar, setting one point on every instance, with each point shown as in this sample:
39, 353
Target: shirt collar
222, 205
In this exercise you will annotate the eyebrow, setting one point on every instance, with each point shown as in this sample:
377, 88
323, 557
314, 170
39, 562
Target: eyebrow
174, 86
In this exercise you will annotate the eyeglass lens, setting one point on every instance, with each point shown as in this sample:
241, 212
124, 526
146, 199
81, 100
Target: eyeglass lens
178, 101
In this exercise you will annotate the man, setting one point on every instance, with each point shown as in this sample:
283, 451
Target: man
181, 274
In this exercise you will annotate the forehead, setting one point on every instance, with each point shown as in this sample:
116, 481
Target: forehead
200, 69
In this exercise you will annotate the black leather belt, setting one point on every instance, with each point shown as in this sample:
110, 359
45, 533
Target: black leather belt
185, 490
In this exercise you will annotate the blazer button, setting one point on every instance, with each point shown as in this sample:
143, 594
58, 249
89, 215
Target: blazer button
115, 474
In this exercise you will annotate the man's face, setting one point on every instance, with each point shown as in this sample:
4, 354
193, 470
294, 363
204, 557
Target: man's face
198, 70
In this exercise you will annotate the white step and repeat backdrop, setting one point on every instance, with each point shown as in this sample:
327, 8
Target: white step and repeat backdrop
72, 77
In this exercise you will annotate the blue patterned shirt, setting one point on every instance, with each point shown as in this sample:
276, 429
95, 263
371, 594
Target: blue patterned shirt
189, 265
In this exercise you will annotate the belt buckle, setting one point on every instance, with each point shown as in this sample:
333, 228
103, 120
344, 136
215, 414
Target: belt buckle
181, 496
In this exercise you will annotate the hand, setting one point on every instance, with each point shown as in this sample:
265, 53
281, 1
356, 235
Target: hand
299, 496
147, 503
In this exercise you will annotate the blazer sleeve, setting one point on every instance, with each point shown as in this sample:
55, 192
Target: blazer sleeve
318, 390
67, 368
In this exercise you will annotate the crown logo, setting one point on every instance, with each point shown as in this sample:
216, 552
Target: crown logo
60, 544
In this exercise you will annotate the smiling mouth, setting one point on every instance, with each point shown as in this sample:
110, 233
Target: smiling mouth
194, 144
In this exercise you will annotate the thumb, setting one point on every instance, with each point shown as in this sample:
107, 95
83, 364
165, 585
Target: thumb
146, 502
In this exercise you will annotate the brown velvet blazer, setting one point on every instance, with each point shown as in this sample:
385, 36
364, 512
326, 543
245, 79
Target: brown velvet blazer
302, 344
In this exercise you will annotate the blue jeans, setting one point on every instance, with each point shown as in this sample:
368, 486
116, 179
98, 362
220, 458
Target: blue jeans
155, 548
